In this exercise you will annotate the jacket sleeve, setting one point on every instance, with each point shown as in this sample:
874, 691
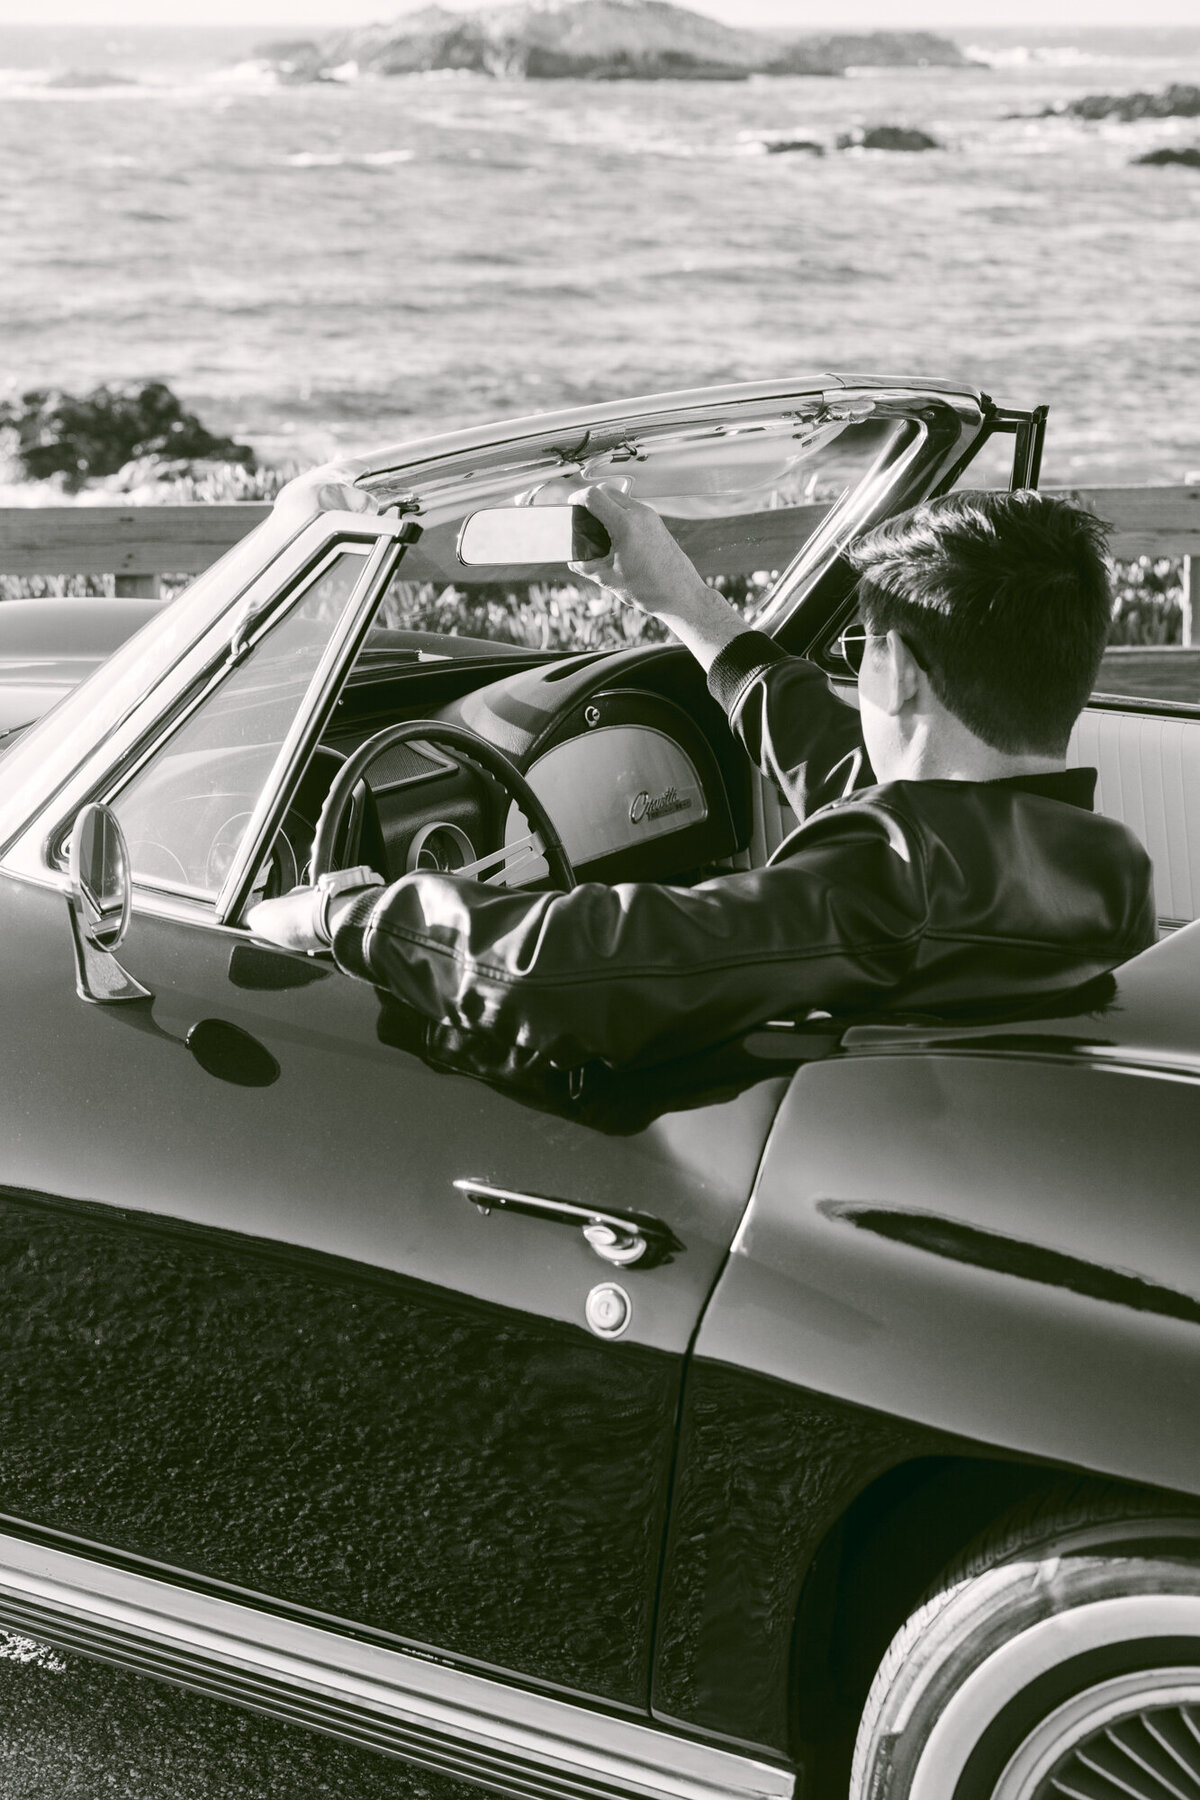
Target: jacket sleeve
640, 972
792, 725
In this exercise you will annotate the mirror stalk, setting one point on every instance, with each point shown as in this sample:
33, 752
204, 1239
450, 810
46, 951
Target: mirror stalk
99, 977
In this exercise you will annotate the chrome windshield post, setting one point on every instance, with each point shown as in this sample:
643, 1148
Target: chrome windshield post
310, 720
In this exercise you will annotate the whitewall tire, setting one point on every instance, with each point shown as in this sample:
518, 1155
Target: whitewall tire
1059, 1659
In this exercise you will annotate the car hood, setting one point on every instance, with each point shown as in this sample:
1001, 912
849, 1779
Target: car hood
49, 646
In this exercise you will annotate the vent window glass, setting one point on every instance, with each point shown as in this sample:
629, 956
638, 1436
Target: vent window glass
185, 811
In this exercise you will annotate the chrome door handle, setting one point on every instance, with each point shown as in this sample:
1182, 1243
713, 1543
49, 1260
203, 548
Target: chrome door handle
623, 1240
615, 1242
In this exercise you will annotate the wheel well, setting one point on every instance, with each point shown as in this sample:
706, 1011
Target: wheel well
868, 1574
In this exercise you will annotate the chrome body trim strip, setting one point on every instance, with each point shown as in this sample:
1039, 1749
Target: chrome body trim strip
469, 1726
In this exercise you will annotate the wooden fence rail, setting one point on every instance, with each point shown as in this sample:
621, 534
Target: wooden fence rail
138, 544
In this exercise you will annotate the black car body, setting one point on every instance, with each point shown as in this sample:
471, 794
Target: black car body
315, 1391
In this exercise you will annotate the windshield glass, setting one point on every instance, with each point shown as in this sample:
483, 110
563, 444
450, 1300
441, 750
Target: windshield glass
742, 499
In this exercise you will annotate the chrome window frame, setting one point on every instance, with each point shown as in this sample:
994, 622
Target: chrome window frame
308, 723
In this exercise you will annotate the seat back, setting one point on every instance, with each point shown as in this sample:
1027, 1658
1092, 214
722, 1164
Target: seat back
1149, 778
1148, 768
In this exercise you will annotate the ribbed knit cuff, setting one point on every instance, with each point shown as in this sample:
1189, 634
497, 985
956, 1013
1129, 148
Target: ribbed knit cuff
740, 664
351, 921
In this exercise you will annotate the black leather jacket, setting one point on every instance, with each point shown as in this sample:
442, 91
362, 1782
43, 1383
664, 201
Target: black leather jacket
910, 895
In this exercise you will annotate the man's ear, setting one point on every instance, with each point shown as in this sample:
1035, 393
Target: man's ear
905, 674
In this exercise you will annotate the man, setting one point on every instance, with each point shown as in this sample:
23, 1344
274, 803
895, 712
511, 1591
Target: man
946, 856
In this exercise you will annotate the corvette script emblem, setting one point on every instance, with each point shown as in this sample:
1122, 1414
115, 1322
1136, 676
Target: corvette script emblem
654, 806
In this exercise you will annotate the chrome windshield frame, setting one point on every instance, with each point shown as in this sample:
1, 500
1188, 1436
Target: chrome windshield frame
310, 720
873, 499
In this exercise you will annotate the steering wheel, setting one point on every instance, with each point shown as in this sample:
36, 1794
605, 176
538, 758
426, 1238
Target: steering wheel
462, 744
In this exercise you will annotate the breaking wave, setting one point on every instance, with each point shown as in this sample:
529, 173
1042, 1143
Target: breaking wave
1045, 56
344, 159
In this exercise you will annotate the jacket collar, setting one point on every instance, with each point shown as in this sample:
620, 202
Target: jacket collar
1076, 787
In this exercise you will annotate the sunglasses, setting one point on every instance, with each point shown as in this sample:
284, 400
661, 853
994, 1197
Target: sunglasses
852, 646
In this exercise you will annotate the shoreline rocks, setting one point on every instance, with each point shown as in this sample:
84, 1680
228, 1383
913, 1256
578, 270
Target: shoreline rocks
788, 146
1188, 158
888, 137
1179, 101
79, 437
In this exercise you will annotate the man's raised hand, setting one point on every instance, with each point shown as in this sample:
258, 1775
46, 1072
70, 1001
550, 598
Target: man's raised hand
647, 569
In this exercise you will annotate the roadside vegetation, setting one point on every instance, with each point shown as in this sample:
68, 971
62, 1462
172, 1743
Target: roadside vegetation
1149, 601
136, 443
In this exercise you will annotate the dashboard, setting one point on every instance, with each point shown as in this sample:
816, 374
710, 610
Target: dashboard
629, 755
629, 776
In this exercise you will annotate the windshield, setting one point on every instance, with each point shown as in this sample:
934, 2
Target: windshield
742, 499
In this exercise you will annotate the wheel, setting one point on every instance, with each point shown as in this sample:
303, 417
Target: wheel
1059, 1659
460, 742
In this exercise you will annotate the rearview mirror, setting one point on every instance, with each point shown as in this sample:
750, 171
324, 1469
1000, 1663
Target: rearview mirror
503, 536
101, 888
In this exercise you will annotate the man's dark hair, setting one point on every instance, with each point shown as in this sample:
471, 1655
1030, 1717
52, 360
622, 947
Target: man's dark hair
1005, 600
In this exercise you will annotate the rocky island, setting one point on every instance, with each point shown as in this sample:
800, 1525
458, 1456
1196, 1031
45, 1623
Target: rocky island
597, 40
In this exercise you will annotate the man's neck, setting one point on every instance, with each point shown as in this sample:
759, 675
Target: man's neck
961, 756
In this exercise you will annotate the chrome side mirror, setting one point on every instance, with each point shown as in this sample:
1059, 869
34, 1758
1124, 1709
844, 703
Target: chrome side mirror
101, 893
98, 866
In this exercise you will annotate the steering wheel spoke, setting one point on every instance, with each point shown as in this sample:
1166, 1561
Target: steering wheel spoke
506, 861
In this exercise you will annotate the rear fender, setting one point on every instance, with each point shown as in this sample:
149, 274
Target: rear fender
990, 1255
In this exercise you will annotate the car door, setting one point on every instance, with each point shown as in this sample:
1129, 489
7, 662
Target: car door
263, 1336
253, 1329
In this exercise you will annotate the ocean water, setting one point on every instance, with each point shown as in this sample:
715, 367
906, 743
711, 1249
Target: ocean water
351, 264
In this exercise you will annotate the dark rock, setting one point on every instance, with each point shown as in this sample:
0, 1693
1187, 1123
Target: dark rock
90, 78
1188, 159
784, 146
293, 59
285, 49
888, 137
649, 40
1179, 101
82, 436
875, 49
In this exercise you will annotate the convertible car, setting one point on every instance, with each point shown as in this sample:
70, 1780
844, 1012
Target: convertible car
813, 1415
